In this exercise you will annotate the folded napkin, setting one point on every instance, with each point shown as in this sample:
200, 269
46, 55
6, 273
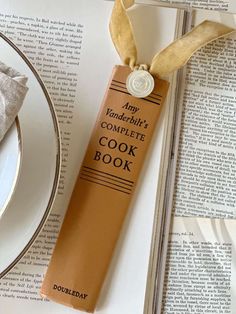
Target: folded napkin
12, 93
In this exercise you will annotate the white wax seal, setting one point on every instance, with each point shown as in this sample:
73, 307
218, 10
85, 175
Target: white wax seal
140, 83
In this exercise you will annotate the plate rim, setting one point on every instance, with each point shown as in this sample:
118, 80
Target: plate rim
58, 157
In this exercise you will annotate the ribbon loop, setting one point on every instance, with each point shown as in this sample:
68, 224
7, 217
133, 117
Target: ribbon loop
173, 56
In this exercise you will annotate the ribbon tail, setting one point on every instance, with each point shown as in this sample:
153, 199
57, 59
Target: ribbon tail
122, 33
178, 53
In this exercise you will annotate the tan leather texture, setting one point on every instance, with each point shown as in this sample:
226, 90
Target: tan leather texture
102, 193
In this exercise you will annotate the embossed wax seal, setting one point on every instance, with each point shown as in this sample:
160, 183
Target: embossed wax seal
140, 83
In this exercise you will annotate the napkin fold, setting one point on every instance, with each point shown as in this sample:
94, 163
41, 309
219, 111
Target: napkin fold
12, 93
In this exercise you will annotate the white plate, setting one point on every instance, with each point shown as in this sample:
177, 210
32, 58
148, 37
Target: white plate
10, 156
34, 183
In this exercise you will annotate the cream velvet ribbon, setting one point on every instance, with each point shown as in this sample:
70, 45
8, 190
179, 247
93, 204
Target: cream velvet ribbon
173, 56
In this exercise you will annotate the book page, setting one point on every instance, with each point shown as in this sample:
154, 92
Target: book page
201, 267
71, 48
201, 261
205, 177
221, 5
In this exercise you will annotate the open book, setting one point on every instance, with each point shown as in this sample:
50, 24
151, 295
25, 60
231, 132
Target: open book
70, 47
205, 183
200, 265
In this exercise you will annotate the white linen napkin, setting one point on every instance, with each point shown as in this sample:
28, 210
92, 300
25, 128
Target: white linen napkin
12, 93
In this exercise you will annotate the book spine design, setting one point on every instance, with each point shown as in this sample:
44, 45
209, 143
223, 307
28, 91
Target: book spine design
102, 193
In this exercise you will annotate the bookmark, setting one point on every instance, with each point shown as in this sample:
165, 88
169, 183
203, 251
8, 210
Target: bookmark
113, 161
